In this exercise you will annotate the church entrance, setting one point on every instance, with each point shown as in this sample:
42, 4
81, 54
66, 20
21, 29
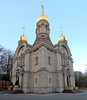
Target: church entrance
17, 77
68, 78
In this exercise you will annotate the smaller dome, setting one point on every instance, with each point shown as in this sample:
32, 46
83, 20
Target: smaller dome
43, 17
61, 38
23, 38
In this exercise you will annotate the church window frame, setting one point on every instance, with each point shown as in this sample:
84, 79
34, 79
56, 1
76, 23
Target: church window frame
46, 28
49, 60
20, 61
39, 29
49, 80
23, 60
36, 61
35, 80
63, 61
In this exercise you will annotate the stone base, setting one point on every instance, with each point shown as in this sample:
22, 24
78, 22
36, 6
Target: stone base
17, 88
68, 88
75, 88
59, 90
26, 90
42, 90
10, 88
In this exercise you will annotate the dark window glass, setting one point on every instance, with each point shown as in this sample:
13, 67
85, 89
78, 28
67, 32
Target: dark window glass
48, 60
36, 60
49, 80
35, 80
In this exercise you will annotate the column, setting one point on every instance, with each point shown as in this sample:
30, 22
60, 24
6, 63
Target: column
20, 80
27, 61
58, 61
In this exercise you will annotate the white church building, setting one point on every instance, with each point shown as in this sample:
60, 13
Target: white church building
43, 67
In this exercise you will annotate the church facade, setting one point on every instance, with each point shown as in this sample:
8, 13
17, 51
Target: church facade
43, 67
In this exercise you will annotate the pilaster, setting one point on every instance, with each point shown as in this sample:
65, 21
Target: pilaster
58, 61
27, 61
42, 57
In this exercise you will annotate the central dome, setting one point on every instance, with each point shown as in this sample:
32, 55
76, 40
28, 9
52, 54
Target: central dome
43, 17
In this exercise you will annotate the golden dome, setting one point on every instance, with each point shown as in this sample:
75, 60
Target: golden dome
23, 37
61, 38
42, 17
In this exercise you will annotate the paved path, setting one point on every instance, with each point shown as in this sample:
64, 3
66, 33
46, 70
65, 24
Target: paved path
54, 96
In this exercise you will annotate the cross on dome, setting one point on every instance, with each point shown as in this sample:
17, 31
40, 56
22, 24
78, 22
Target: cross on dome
23, 30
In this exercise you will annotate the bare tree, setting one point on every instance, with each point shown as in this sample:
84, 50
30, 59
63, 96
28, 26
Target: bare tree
85, 77
6, 58
79, 79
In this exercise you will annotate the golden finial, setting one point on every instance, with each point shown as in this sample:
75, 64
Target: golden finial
42, 9
61, 31
23, 30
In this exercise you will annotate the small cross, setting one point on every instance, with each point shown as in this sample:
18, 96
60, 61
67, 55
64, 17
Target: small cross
61, 27
42, 9
61, 31
42, 6
23, 30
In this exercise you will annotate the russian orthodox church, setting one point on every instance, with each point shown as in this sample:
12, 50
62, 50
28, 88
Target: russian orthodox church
43, 67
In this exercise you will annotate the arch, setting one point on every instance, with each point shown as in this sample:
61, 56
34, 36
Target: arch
66, 48
19, 48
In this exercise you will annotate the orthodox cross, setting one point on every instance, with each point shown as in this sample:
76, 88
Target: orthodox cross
61, 31
23, 30
42, 9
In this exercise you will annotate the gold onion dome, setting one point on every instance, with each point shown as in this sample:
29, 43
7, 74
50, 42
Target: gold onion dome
42, 17
61, 38
23, 37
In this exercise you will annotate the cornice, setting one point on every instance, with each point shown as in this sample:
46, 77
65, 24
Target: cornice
27, 50
43, 44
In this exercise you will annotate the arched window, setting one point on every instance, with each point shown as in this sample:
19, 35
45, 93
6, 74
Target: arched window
35, 80
48, 60
20, 61
23, 59
49, 80
46, 28
36, 60
39, 29
63, 61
